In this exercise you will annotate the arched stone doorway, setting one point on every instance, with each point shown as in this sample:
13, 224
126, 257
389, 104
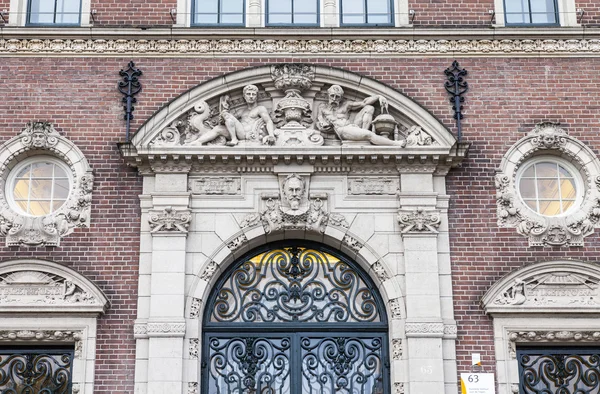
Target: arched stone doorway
295, 317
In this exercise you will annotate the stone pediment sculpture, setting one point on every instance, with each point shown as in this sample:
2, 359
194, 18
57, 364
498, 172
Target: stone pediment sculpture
42, 286
40, 139
550, 287
294, 108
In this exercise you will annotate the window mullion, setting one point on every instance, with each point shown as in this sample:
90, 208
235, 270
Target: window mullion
55, 10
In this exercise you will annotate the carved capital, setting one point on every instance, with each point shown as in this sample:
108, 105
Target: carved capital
170, 220
419, 221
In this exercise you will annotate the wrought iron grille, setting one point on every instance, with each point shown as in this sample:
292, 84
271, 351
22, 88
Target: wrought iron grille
293, 319
559, 371
36, 371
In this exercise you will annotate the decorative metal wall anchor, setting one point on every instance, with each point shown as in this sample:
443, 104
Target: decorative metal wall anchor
129, 87
456, 86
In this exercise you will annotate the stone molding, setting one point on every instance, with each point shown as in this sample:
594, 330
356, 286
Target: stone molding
170, 221
18, 337
572, 46
424, 329
168, 329
41, 138
210, 185
549, 336
548, 287
419, 221
570, 230
373, 185
37, 286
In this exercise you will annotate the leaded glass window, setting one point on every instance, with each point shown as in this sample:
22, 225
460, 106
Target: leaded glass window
573, 370
293, 319
30, 370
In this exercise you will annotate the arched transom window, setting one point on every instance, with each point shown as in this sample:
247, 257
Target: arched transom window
293, 319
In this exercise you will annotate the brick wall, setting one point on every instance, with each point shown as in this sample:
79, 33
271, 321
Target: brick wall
506, 98
133, 12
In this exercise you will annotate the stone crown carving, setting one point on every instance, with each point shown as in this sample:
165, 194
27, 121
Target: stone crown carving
550, 287
21, 229
549, 139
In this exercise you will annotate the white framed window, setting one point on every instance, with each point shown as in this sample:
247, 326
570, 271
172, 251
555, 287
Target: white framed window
292, 13
550, 186
39, 186
531, 13
51, 13
366, 13
285, 13
218, 12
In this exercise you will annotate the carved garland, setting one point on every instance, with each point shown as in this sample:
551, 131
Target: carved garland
549, 139
548, 336
222, 47
20, 229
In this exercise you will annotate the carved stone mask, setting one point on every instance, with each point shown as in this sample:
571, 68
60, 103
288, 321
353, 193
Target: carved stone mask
293, 189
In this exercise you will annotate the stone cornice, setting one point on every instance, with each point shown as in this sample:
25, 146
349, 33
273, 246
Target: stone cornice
399, 42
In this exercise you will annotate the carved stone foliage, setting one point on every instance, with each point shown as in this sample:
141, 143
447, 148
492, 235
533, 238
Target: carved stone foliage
416, 46
195, 307
294, 209
169, 220
419, 221
549, 336
31, 285
541, 230
547, 287
44, 336
194, 348
397, 349
41, 138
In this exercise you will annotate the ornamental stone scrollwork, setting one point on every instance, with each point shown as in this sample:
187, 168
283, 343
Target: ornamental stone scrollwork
294, 209
47, 227
192, 388
396, 308
419, 221
193, 349
380, 271
166, 329
237, 242
551, 287
399, 388
169, 220
41, 286
352, 243
397, 349
195, 306
549, 336
44, 336
210, 270
219, 47
424, 329
548, 140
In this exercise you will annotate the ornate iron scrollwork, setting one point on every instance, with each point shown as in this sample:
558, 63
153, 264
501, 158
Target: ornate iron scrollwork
36, 371
566, 371
294, 284
295, 320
